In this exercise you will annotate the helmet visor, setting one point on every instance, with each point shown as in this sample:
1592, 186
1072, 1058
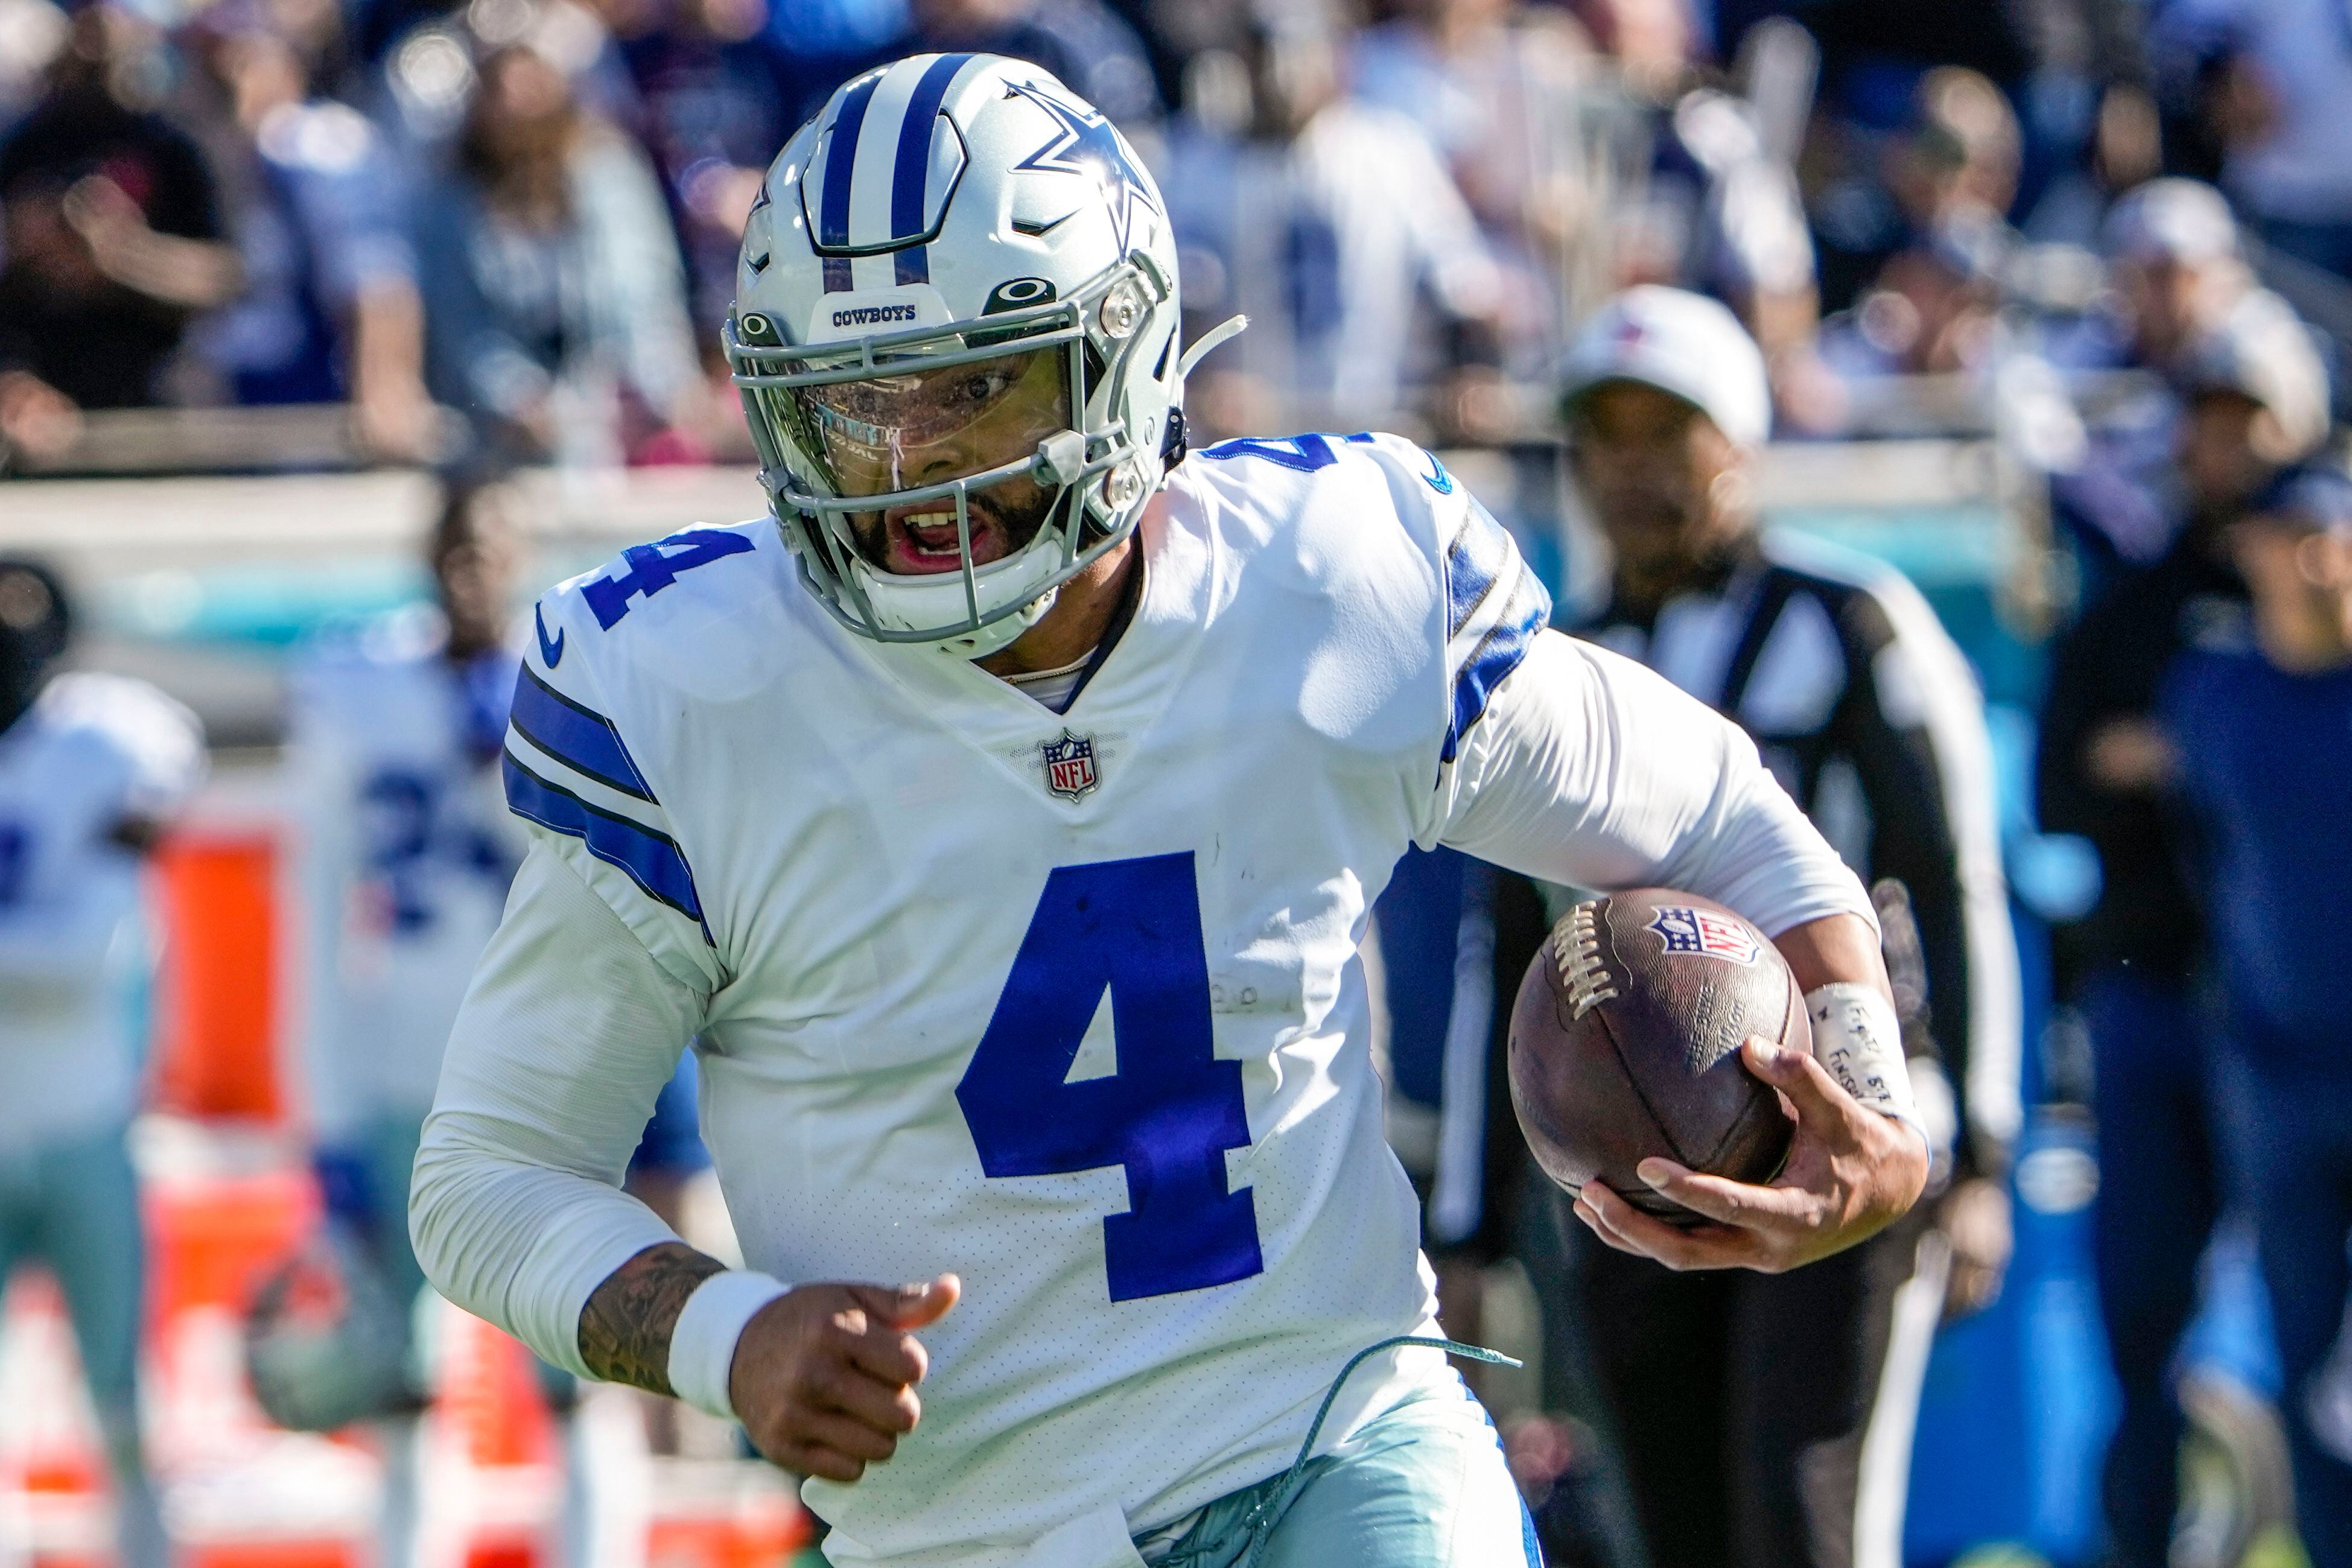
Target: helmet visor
923, 427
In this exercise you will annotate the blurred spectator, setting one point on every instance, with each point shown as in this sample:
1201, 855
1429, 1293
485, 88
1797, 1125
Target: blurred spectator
1708, 209
330, 311
2244, 392
2175, 271
1328, 222
2261, 737
1957, 155
2129, 966
113, 237
555, 299
1499, 91
32, 34
716, 97
2269, 79
92, 769
1930, 311
1084, 42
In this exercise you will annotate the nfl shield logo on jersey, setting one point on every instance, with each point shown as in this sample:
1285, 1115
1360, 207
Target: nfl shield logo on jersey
1070, 765
1687, 930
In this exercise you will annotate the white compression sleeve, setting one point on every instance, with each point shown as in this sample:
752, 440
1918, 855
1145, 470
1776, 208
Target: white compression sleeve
1590, 771
568, 1032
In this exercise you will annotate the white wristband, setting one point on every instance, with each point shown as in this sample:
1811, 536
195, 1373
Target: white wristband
1857, 1037
702, 1344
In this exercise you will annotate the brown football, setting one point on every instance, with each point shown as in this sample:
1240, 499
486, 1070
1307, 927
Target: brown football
1625, 1043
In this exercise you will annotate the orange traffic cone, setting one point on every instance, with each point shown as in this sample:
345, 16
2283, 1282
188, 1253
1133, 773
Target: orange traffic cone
54, 1508
492, 1466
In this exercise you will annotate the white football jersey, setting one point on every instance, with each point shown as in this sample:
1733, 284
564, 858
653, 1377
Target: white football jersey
406, 851
1068, 1003
93, 752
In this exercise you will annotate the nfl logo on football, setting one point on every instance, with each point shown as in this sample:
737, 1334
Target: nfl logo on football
1687, 930
1070, 765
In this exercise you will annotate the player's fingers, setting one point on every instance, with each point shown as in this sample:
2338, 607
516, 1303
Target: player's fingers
1714, 1246
885, 1408
910, 1306
853, 1439
895, 1359
816, 1460
1822, 1106
1608, 1237
1728, 1202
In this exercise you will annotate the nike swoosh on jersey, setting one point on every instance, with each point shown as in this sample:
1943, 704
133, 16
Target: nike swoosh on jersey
549, 650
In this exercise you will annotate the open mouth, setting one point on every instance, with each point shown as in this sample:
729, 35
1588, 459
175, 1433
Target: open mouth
921, 541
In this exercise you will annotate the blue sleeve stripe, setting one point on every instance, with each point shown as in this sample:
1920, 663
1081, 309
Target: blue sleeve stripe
653, 861
581, 739
1481, 553
1527, 613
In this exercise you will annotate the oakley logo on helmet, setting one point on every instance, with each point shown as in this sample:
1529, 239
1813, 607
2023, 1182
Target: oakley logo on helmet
1017, 293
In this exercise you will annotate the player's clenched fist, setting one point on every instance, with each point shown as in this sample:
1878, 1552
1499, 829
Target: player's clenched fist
823, 1378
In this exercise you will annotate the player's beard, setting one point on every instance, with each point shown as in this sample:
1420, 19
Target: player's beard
1013, 510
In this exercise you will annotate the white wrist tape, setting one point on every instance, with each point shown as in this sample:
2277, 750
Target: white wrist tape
1857, 1037
702, 1345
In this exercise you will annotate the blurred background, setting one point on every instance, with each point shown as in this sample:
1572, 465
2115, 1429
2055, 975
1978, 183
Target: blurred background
330, 329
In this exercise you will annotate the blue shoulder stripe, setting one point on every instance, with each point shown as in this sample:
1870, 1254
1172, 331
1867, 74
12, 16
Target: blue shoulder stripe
579, 737
1482, 562
911, 175
653, 861
1498, 654
1480, 554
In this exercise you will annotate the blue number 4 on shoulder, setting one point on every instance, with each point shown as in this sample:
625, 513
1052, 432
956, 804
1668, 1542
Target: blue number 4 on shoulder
655, 567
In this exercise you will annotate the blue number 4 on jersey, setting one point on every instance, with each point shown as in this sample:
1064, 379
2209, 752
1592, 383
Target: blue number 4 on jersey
1168, 1114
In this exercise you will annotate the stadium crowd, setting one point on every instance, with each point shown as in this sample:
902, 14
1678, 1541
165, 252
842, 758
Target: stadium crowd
2115, 234
525, 212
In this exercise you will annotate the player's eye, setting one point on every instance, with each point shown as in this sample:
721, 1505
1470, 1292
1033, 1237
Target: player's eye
982, 386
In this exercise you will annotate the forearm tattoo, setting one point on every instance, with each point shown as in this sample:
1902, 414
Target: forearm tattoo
624, 1329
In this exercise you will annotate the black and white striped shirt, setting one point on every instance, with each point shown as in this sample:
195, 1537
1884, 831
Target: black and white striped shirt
1869, 715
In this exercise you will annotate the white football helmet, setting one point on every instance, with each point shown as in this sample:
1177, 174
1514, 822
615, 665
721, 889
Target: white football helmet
955, 322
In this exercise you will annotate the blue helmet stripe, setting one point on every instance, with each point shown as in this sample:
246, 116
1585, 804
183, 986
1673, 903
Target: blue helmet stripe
841, 163
910, 177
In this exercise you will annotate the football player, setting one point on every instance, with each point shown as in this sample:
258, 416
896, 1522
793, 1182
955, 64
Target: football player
407, 848
92, 768
406, 851
999, 829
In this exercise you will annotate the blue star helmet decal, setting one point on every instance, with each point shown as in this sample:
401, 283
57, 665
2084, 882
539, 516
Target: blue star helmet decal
1085, 145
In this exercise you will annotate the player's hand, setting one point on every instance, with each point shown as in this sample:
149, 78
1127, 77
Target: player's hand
823, 1377
1850, 1173
1975, 1218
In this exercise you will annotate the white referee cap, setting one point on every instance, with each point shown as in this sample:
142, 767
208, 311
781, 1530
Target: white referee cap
1679, 342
